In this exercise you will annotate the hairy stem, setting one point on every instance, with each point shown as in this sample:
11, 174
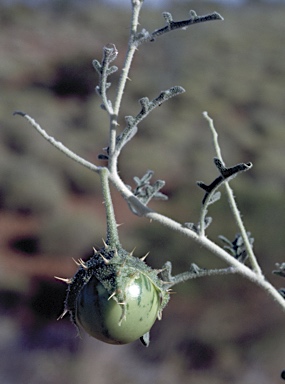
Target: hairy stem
112, 230
232, 202
240, 268
136, 7
57, 144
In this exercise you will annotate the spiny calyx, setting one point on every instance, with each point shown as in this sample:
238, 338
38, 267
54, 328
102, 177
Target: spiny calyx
115, 297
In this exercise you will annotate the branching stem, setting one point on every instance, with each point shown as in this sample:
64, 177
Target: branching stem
111, 174
144, 211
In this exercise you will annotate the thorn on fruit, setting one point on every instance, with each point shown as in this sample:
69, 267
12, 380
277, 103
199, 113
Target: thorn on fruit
82, 263
105, 244
159, 315
65, 280
112, 295
144, 257
76, 262
63, 314
106, 261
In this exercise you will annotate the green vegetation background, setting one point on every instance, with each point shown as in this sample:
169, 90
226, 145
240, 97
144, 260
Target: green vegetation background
216, 330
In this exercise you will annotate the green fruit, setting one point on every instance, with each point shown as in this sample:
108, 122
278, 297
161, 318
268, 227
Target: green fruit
102, 318
115, 297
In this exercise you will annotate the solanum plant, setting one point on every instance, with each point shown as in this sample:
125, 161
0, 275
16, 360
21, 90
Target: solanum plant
115, 296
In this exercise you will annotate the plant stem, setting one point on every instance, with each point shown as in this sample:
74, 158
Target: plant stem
232, 202
136, 7
112, 237
240, 268
57, 144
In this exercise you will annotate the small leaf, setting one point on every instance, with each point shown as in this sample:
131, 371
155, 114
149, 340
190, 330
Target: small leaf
191, 226
160, 196
98, 90
130, 120
112, 69
147, 176
167, 17
193, 14
144, 102
237, 246
109, 53
216, 196
142, 36
97, 66
281, 270
208, 221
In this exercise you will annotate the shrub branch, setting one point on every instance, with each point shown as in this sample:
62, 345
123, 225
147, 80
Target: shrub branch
138, 197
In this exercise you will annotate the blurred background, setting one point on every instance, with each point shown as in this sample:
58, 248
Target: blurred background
215, 330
